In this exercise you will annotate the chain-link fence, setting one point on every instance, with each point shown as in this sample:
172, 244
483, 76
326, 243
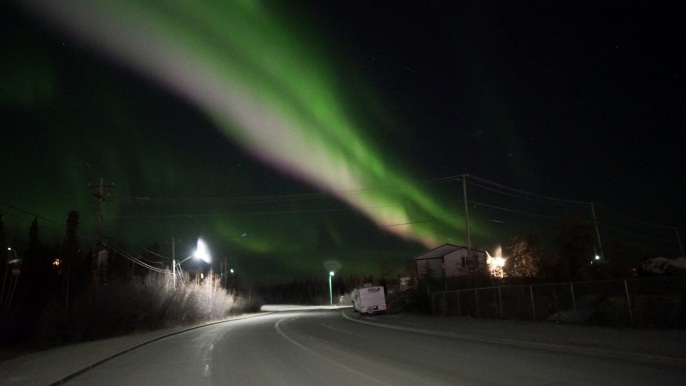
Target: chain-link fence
656, 302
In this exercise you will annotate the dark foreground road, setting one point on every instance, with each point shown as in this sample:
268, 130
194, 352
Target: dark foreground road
323, 348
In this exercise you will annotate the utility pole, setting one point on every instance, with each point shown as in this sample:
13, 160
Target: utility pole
173, 243
466, 215
99, 195
226, 271
597, 232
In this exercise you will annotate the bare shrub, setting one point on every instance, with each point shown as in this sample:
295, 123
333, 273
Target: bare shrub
123, 307
249, 305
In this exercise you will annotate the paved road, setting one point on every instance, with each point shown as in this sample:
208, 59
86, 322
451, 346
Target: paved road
323, 348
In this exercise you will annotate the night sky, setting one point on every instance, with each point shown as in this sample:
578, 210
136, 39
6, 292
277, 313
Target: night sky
330, 132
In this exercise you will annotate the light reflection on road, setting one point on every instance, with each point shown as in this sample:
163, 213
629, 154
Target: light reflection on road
295, 307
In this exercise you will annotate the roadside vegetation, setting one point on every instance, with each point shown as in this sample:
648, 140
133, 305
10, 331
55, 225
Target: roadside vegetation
55, 296
124, 307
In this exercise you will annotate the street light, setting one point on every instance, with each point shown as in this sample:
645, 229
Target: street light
7, 266
330, 290
201, 253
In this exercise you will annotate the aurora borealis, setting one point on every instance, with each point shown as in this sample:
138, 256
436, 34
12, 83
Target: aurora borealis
232, 117
286, 112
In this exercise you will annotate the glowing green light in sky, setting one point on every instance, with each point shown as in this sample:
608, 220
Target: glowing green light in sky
266, 89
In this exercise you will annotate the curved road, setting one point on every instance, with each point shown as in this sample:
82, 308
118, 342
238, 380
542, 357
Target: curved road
323, 348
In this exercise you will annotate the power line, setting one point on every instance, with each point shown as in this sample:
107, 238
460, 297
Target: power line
28, 183
527, 193
137, 261
156, 254
636, 234
29, 213
521, 196
419, 221
514, 211
271, 198
39, 217
629, 219
528, 224
237, 214
151, 252
651, 247
353, 209
81, 236
17, 217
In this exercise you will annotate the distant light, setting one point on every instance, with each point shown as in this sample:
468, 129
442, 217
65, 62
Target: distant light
244, 234
331, 273
597, 257
9, 249
231, 270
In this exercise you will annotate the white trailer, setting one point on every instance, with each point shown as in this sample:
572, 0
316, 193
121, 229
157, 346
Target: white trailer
369, 300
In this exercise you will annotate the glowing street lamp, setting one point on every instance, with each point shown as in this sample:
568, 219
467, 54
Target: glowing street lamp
201, 253
330, 290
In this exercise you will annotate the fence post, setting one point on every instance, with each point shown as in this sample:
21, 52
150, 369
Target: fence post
500, 297
476, 295
494, 301
571, 286
628, 302
533, 306
459, 309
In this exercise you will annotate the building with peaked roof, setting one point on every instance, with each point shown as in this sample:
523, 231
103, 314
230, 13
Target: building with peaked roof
450, 260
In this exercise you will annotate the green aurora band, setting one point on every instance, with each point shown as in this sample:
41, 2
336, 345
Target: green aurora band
267, 89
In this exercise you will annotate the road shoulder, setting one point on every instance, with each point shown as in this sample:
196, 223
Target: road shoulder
54, 366
662, 347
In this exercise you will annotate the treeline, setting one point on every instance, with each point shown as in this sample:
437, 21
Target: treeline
309, 291
576, 256
315, 291
53, 293
573, 256
42, 275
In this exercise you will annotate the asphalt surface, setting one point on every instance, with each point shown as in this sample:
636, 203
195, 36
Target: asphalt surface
323, 348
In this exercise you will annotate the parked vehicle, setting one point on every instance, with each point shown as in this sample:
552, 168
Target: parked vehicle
657, 266
369, 300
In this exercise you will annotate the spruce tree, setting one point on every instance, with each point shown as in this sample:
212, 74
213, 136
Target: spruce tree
4, 253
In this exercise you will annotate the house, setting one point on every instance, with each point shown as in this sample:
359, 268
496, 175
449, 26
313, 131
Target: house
450, 260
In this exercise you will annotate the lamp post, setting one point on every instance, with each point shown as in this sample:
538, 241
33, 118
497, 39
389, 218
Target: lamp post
4, 279
201, 252
330, 290
225, 267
